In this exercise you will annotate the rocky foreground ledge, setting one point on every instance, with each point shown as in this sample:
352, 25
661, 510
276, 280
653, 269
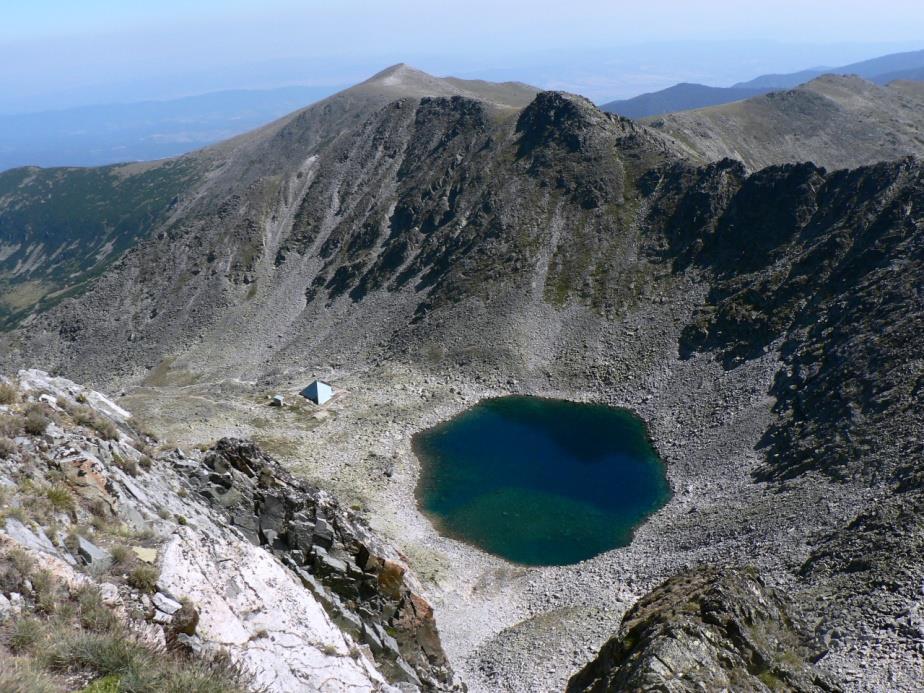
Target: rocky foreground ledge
219, 567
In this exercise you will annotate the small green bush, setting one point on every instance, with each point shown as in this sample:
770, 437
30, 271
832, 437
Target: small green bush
7, 448
144, 578
60, 498
25, 634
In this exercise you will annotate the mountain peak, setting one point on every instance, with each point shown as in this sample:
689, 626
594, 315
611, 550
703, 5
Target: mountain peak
400, 73
403, 80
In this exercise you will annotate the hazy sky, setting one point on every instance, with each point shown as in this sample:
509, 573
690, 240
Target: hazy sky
61, 52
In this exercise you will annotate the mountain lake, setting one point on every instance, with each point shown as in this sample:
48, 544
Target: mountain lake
540, 481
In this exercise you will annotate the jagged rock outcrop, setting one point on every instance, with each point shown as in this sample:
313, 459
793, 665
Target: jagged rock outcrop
706, 629
362, 583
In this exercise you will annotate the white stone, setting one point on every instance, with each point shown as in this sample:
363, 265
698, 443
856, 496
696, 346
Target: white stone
34, 379
109, 593
6, 608
241, 592
166, 604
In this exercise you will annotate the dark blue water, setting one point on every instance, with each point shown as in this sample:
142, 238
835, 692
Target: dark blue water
540, 481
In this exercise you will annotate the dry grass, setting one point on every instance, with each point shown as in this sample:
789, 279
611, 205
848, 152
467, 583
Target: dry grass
60, 498
84, 639
127, 465
121, 556
10, 426
35, 423
9, 393
20, 675
7, 448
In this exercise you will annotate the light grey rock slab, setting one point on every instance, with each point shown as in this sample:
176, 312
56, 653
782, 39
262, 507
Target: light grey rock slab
91, 553
37, 541
166, 604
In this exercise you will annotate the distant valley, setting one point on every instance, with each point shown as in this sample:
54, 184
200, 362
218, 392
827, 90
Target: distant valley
142, 131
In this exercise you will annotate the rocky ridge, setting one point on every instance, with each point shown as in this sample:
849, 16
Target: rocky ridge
834, 121
707, 629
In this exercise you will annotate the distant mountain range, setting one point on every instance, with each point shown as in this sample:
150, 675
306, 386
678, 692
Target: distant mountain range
833, 121
143, 131
113, 133
686, 96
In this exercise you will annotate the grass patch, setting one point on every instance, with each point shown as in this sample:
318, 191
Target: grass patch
86, 417
278, 447
85, 639
165, 373
24, 634
107, 684
121, 555
20, 675
94, 615
138, 668
7, 448
10, 426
